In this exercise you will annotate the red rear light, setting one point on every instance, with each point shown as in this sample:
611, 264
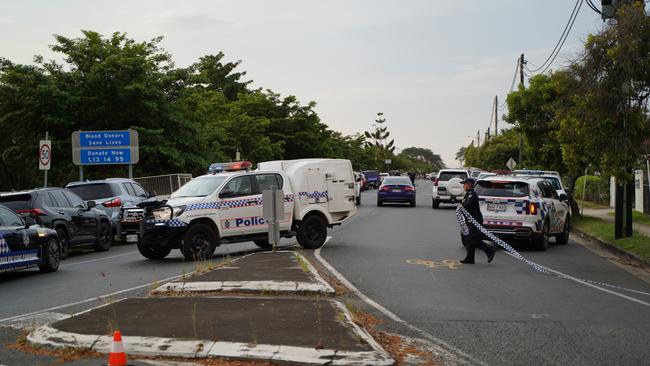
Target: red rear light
33, 212
532, 208
385, 188
115, 202
407, 188
435, 182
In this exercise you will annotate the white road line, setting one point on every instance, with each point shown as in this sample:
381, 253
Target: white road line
98, 259
442, 345
96, 298
564, 275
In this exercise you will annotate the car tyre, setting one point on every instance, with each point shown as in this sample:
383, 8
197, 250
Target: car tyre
541, 241
51, 256
64, 241
563, 238
379, 203
151, 252
199, 242
412, 203
312, 232
104, 237
263, 243
435, 204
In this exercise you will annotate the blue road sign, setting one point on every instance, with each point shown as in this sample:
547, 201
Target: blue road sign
104, 138
105, 156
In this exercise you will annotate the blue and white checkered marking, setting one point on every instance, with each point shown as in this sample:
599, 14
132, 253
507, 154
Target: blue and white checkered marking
315, 194
170, 223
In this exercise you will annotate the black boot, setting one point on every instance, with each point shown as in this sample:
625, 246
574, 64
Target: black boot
467, 261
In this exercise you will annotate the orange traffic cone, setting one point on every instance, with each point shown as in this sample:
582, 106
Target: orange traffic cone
117, 357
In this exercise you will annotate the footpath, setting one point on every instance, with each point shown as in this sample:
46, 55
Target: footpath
265, 306
604, 214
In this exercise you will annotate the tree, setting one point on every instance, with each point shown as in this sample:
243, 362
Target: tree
425, 155
377, 141
460, 154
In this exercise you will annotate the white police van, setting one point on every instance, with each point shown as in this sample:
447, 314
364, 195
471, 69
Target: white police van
225, 206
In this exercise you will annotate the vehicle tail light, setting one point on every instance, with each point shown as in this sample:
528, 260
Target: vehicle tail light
435, 182
385, 188
532, 208
407, 188
33, 212
115, 202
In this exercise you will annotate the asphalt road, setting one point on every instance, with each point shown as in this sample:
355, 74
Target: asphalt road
503, 313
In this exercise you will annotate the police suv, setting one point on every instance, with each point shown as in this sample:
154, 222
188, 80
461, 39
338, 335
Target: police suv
225, 206
524, 207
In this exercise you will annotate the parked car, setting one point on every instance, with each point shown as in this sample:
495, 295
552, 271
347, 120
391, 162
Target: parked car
447, 187
382, 176
396, 189
357, 187
373, 178
364, 182
110, 195
551, 176
23, 244
524, 207
75, 221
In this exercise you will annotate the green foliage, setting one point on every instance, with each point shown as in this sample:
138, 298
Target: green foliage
597, 189
637, 244
432, 161
494, 154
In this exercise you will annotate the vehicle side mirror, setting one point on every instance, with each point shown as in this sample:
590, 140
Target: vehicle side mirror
564, 197
29, 221
91, 204
152, 194
226, 194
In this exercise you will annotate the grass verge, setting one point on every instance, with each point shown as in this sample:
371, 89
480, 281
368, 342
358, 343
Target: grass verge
638, 244
589, 204
637, 217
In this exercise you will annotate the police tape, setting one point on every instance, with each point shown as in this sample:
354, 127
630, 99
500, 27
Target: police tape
464, 217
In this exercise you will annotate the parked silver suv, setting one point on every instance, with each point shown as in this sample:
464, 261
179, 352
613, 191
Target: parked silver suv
110, 195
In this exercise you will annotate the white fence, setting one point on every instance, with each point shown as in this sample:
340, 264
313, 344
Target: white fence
163, 185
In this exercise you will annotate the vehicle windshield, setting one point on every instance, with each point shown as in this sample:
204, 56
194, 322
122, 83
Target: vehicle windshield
371, 173
17, 201
445, 176
397, 181
501, 189
95, 191
555, 182
199, 187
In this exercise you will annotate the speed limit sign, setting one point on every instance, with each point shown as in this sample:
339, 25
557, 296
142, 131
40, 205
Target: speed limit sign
44, 155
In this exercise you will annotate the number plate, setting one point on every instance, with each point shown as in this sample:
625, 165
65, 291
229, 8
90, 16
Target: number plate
496, 206
397, 190
133, 238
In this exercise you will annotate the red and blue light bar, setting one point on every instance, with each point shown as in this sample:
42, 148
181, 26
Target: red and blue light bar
229, 167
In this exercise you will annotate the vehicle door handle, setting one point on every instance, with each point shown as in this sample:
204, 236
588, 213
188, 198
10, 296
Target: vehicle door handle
61, 213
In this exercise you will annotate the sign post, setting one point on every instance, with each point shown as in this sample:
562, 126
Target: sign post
45, 156
273, 213
105, 148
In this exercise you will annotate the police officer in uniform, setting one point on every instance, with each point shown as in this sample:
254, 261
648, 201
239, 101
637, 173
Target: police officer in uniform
475, 237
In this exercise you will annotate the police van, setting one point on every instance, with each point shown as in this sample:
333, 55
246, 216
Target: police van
225, 206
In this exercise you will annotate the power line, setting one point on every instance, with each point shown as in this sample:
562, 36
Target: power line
514, 78
565, 33
593, 7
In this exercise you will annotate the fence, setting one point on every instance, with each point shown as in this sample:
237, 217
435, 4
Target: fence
163, 185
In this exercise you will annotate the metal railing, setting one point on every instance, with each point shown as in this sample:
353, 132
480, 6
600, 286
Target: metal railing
164, 185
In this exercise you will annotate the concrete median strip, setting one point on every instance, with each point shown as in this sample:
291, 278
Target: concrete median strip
286, 330
284, 271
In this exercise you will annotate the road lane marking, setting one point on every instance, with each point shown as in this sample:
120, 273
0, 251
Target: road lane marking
98, 259
442, 346
448, 263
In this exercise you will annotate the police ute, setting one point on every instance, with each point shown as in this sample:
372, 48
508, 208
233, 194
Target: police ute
225, 206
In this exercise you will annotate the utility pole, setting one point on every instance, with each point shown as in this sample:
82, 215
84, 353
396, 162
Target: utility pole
487, 135
521, 132
496, 120
478, 138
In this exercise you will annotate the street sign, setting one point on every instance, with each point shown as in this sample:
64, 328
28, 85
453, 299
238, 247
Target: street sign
388, 161
105, 147
511, 164
44, 154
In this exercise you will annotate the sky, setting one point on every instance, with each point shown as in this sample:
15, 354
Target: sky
432, 67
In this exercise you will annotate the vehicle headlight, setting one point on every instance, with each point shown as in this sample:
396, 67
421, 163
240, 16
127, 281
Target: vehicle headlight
162, 213
178, 210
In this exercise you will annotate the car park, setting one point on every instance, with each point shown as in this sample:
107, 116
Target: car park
75, 221
225, 206
372, 176
110, 195
447, 187
23, 244
525, 207
396, 190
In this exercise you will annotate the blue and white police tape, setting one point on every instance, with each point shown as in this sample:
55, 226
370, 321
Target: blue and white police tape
464, 216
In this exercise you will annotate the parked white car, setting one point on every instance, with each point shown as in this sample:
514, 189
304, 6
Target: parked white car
447, 187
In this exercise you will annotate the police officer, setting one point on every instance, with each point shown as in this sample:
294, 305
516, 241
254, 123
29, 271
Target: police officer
475, 237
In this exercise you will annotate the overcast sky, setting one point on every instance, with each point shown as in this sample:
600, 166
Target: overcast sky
433, 67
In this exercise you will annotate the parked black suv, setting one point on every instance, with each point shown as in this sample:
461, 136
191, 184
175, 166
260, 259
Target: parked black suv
76, 222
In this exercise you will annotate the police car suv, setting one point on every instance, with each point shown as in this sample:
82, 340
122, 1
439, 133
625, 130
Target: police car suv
524, 207
225, 206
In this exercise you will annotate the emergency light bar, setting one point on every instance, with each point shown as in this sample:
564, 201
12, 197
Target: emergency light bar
229, 167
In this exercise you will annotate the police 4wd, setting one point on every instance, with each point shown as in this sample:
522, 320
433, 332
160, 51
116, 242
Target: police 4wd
524, 207
225, 206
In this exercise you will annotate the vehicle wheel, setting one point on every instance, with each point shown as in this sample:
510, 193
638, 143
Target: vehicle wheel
51, 256
64, 241
263, 243
541, 241
358, 200
312, 232
379, 203
412, 204
104, 238
435, 204
151, 252
563, 238
199, 242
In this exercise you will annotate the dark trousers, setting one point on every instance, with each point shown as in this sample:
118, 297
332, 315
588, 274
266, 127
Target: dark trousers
474, 241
